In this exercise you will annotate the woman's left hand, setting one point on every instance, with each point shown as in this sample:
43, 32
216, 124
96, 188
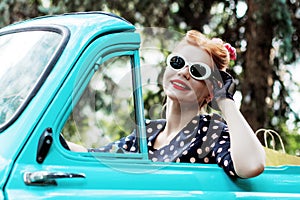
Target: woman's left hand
224, 87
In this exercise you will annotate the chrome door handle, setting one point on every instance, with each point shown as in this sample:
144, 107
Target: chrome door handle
43, 178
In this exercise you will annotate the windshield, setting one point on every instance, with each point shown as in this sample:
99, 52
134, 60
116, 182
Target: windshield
23, 58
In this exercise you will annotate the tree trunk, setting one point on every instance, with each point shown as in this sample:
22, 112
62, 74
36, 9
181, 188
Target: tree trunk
20, 10
258, 81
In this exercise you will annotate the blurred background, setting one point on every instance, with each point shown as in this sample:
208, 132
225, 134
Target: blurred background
266, 34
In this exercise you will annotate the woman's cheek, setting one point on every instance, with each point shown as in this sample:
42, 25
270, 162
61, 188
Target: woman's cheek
167, 76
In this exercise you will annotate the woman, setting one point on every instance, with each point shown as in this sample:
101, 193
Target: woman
195, 77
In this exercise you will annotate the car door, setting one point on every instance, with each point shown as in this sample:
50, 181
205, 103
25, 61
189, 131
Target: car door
55, 172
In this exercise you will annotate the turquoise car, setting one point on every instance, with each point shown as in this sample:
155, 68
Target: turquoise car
70, 76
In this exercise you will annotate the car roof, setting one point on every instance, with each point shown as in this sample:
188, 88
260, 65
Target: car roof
95, 22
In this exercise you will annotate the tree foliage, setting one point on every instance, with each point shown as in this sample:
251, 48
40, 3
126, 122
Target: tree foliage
266, 36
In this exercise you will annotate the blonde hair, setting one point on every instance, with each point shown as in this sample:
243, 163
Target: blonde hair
214, 47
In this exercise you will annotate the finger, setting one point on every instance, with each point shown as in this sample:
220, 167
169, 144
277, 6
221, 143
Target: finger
225, 75
232, 88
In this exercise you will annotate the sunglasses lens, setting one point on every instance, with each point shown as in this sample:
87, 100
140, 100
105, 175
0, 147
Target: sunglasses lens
198, 71
177, 62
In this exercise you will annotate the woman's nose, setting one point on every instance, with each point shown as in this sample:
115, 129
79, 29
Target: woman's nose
185, 72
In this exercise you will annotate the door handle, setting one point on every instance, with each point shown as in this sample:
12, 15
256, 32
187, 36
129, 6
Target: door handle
43, 178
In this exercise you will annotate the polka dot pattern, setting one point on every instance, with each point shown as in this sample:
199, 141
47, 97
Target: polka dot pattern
204, 140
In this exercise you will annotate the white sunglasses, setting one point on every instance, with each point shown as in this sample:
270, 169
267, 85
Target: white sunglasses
198, 70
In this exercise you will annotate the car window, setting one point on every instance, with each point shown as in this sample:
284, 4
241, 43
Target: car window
105, 111
23, 58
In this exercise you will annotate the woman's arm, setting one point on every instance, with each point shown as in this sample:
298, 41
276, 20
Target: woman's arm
76, 147
247, 153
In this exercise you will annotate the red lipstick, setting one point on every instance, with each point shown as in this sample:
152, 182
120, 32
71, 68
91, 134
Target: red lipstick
180, 85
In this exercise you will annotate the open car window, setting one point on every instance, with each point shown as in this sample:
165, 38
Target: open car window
105, 111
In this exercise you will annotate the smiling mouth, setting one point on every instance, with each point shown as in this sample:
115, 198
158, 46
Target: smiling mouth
180, 86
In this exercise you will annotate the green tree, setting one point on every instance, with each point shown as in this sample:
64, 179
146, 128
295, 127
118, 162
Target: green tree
17, 10
266, 37
268, 23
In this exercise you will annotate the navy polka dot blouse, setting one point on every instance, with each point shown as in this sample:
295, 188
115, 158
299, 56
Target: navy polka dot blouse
205, 139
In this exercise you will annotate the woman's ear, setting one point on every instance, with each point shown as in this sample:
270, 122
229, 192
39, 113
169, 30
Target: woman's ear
210, 87
209, 98
206, 99
210, 95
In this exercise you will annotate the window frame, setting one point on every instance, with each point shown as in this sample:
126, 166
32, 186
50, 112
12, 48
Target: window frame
91, 59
